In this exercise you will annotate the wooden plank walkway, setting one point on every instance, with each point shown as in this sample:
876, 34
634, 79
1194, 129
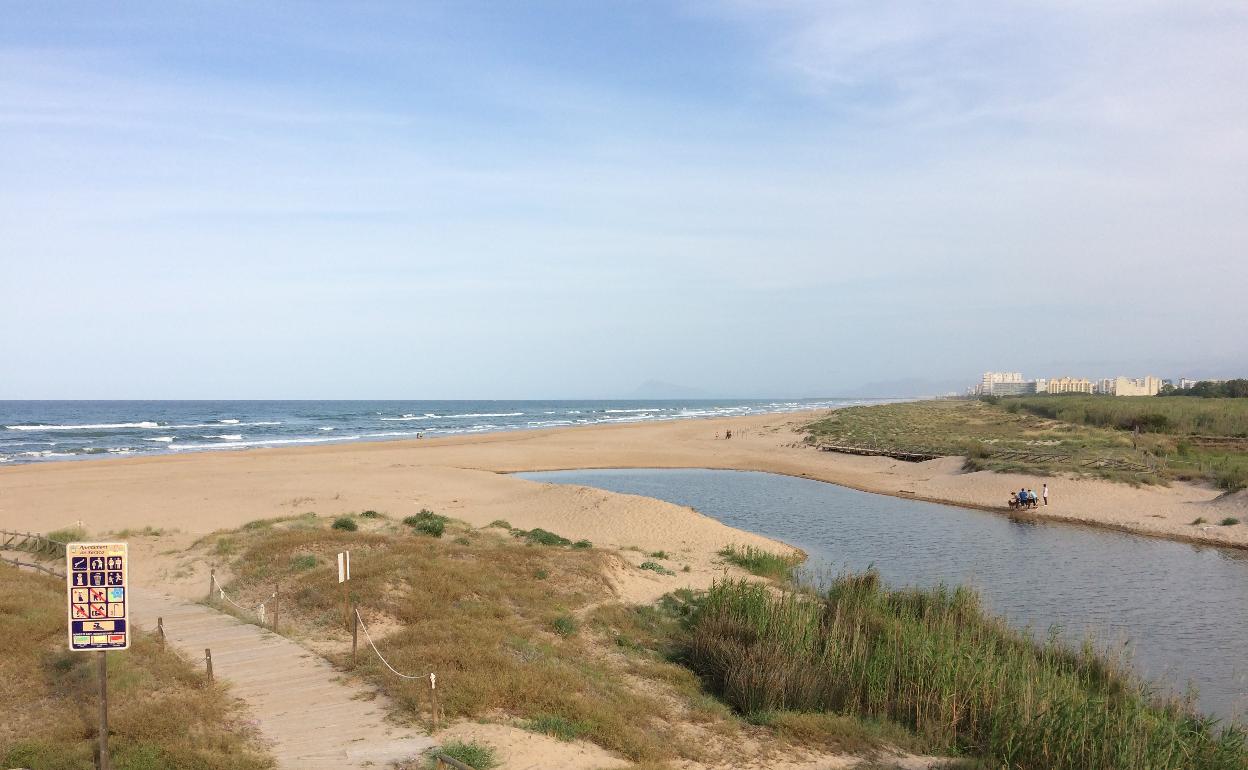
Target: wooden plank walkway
311, 718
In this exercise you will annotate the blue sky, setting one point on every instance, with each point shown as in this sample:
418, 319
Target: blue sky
481, 200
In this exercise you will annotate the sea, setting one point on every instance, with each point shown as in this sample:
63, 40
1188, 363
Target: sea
50, 431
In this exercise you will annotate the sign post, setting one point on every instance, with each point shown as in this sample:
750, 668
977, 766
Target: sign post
96, 576
344, 574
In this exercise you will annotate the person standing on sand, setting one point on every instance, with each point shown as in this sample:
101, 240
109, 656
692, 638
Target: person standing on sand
1044, 492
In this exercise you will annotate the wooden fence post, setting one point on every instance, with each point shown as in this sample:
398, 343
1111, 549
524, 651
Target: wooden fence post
277, 587
355, 632
212, 578
208, 660
160, 631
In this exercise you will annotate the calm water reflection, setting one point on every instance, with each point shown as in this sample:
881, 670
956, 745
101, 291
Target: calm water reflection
1181, 610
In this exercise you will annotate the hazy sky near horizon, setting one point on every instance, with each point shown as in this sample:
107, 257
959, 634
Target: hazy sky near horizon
565, 199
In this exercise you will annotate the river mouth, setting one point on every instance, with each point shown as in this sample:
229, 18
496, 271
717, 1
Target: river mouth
1179, 611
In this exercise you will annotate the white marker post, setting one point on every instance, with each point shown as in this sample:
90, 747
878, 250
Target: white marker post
96, 577
344, 574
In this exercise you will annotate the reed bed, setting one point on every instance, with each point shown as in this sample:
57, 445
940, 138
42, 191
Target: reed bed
934, 661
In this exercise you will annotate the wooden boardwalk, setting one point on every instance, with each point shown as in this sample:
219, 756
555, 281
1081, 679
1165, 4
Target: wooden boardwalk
310, 717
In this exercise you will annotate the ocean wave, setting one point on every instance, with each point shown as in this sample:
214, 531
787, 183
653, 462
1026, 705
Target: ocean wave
162, 439
264, 442
227, 436
407, 417
328, 427
628, 411
145, 425
475, 414
92, 426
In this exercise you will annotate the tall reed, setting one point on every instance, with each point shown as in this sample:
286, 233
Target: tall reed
933, 660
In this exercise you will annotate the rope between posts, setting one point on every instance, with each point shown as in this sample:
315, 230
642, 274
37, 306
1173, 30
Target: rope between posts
367, 636
221, 591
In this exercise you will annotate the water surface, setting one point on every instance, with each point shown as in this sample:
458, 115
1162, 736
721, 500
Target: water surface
1180, 610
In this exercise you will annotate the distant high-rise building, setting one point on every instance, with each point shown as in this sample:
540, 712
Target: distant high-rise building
1070, 385
1186, 384
1139, 386
988, 384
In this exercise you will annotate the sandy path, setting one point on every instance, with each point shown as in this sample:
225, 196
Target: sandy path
460, 476
304, 709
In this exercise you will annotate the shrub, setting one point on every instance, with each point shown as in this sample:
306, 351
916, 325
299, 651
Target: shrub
565, 625
303, 561
500, 523
478, 756
540, 536
659, 555
654, 566
371, 515
760, 562
1230, 521
560, 727
345, 523
427, 522
1199, 520
582, 544
541, 574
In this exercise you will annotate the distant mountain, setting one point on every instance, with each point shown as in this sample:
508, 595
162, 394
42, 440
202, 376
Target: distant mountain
909, 387
659, 389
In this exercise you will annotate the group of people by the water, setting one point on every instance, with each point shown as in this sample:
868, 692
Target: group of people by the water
1026, 498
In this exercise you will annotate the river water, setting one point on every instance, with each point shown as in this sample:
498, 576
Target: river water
1180, 611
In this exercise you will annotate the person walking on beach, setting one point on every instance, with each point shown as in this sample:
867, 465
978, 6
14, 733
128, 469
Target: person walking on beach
1044, 492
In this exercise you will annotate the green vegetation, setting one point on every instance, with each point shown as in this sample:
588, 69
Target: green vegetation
559, 727
1196, 522
582, 544
346, 524
478, 756
658, 555
1136, 440
68, 535
1230, 521
654, 566
539, 536
565, 625
371, 515
162, 714
1207, 389
303, 561
500, 523
427, 522
933, 661
759, 562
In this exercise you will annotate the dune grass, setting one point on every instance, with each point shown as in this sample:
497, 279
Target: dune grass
472, 609
935, 662
162, 713
1179, 439
760, 562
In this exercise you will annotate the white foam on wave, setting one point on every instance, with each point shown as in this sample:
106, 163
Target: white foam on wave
328, 427
264, 442
227, 436
162, 439
145, 424
629, 411
407, 417
482, 414
92, 426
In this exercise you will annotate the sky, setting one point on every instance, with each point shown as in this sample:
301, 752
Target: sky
567, 199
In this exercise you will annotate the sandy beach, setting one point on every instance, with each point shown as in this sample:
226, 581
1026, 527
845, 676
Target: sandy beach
465, 477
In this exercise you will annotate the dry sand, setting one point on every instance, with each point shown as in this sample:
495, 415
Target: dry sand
461, 476
465, 477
